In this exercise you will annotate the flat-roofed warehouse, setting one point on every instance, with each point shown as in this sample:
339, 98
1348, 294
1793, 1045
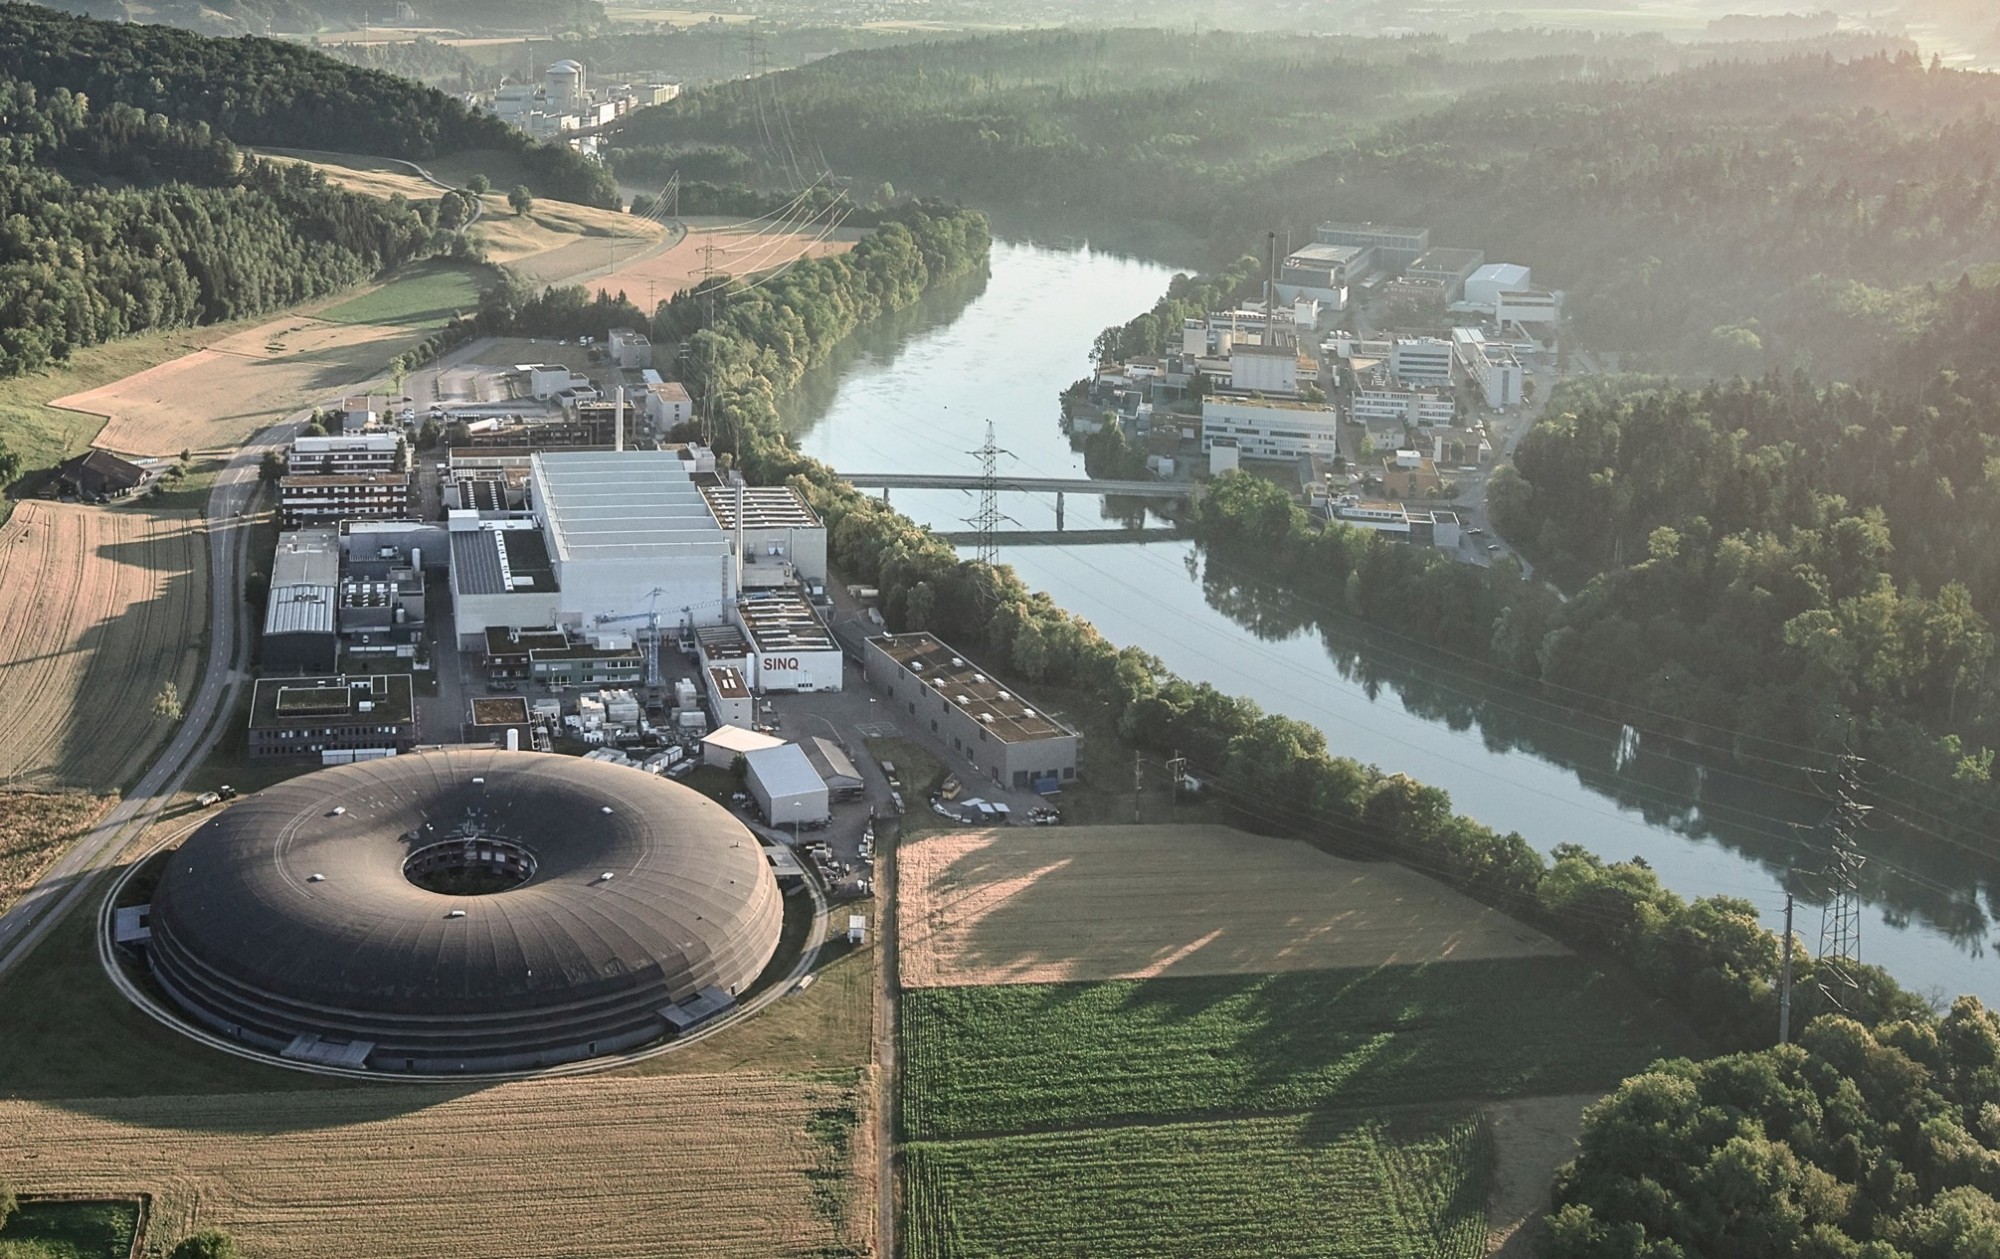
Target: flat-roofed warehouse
629, 534
300, 633
464, 909
790, 647
996, 731
783, 538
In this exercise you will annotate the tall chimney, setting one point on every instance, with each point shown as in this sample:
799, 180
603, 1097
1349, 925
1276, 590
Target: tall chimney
1270, 282
618, 422
739, 532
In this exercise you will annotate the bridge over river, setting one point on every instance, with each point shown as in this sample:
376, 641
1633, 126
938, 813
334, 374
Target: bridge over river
1058, 486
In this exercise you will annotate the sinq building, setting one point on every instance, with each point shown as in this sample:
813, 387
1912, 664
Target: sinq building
1000, 734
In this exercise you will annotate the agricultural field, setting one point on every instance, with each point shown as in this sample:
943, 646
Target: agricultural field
35, 828
427, 295
1004, 1059
744, 1165
740, 248
71, 1230
215, 397
1286, 1187
99, 607
1031, 905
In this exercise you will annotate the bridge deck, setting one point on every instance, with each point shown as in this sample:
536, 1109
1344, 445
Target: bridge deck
1025, 484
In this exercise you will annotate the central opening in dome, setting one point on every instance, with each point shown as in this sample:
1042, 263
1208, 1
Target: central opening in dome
470, 867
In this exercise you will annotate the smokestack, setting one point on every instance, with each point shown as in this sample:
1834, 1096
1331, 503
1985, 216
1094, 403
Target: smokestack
1270, 281
618, 422
739, 533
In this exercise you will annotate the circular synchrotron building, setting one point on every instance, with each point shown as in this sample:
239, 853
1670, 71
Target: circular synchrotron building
468, 909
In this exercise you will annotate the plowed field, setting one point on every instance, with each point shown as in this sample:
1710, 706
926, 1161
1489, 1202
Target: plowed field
99, 606
1055, 905
712, 1166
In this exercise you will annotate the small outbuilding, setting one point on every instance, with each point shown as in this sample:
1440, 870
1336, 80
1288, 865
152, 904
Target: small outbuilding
833, 766
786, 787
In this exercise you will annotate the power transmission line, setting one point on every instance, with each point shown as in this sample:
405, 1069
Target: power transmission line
1840, 920
987, 522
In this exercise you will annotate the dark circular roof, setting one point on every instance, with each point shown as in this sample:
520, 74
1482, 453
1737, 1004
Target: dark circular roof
290, 913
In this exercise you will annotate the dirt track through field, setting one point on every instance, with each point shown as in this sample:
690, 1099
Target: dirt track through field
1060, 904
711, 1166
99, 606
214, 398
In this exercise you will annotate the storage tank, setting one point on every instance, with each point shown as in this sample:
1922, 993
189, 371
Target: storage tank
565, 83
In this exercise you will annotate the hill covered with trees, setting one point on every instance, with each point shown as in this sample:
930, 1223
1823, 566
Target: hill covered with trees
1732, 207
114, 221
269, 92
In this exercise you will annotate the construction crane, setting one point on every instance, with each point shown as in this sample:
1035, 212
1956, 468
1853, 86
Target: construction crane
652, 619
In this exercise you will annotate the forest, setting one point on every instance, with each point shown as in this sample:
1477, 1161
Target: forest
1858, 1142
114, 221
264, 17
1728, 208
268, 92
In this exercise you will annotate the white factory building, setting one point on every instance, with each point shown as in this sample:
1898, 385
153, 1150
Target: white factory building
615, 539
629, 535
1271, 428
1484, 286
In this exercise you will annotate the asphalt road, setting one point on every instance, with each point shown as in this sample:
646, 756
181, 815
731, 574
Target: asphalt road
73, 875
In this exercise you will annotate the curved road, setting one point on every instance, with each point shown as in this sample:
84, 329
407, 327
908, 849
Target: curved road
206, 714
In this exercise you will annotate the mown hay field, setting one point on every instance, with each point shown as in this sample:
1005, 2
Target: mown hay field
738, 248
1061, 904
216, 397
35, 828
99, 607
739, 1165
1286, 1187
1017, 1057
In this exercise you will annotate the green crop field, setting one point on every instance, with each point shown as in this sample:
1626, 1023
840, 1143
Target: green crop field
71, 1230
1021, 1057
429, 293
1282, 1186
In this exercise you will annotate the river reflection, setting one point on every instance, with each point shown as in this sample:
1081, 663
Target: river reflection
914, 394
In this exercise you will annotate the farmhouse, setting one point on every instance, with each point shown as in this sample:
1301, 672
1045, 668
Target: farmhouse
96, 475
997, 732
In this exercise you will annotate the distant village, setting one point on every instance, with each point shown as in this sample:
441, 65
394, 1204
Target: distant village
1377, 421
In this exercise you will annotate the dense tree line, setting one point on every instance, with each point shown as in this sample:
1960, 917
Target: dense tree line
1858, 1142
1710, 957
263, 17
1755, 210
270, 92
167, 224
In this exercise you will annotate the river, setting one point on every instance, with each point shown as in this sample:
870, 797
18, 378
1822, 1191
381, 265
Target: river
915, 394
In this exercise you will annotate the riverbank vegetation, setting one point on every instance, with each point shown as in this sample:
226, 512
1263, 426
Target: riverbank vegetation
1710, 960
1855, 1143
1738, 208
